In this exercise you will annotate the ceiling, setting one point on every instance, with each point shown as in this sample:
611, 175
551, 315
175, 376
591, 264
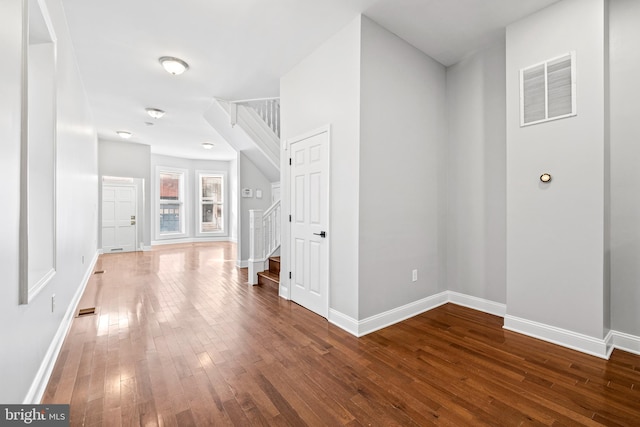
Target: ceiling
239, 49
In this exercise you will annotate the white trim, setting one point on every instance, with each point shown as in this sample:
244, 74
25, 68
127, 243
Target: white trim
626, 342
480, 304
343, 321
39, 383
573, 340
242, 263
188, 240
145, 248
283, 290
373, 323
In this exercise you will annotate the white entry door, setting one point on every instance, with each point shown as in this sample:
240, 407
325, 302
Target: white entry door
119, 206
309, 222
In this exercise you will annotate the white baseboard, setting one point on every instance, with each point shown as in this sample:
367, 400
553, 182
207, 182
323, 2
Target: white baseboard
189, 240
626, 342
283, 292
574, 340
39, 384
343, 321
601, 348
480, 304
242, 263
370, 324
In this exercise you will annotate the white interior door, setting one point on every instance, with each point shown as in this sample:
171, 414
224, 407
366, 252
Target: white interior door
309, 222
119, 206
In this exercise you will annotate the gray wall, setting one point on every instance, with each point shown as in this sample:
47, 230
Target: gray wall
324, 89
555, 231
27, 331
128, 160
476, 175
402, 170
250, 177
625, 173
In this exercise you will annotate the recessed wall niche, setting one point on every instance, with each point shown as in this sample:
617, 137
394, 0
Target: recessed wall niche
38, 151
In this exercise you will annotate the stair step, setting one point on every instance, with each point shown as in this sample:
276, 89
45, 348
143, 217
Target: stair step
269, 279
274, 265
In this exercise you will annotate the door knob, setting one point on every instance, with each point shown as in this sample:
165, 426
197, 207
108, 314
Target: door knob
322, 234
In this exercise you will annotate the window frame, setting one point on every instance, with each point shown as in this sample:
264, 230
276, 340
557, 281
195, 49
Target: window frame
182, 202
199, 174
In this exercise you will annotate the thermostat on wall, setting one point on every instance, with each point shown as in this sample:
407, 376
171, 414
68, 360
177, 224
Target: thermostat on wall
247, 192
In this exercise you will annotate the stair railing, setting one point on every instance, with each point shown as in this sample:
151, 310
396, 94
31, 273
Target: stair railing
268, 109
264, 238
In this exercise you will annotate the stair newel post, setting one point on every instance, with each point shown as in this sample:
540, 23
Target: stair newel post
256, 245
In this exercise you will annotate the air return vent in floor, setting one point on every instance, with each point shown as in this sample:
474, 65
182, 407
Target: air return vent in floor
86, 311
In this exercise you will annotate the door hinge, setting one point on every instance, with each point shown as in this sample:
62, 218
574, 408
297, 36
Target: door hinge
289, 161
289, 218
289, 275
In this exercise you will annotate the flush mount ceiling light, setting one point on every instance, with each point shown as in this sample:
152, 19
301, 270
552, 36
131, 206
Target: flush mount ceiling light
124, 134
154, 112
207, 145
175, 66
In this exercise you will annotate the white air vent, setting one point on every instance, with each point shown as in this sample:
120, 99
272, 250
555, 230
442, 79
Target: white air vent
548, 90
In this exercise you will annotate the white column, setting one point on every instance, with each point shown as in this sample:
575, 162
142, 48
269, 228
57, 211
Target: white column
256, 245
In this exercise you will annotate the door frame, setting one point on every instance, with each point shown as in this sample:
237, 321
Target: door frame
286, 191
124, 183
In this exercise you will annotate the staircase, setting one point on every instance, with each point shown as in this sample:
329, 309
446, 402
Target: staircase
271, 277
257, 136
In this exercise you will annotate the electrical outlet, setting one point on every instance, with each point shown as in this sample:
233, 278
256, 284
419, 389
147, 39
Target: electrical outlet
53, 303
415, 275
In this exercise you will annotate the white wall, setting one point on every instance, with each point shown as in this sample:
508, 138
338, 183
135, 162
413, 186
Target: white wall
128, 160
250, 177
324, 89
26, 331
402, 170
625, 173
476, 175
191, 167
555, 231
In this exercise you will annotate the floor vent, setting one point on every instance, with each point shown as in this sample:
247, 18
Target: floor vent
86, 311
98, 272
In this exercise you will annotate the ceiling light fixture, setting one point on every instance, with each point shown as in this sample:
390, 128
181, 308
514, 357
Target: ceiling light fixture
124, 134
175, 66
207, 145
154, 112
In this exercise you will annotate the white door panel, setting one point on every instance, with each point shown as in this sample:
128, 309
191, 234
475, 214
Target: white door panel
309, 222
119, 206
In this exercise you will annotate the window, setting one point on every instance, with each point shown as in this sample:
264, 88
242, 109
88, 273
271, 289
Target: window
547, 90
210, 203
171, 198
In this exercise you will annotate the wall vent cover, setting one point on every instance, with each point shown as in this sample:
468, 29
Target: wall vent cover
548, 90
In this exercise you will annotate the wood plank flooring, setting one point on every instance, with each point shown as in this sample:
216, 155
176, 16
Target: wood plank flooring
180, 339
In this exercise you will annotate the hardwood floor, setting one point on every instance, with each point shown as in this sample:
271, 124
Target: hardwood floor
180, 339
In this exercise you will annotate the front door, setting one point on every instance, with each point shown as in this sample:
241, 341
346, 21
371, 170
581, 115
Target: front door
309, 222
119, 205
